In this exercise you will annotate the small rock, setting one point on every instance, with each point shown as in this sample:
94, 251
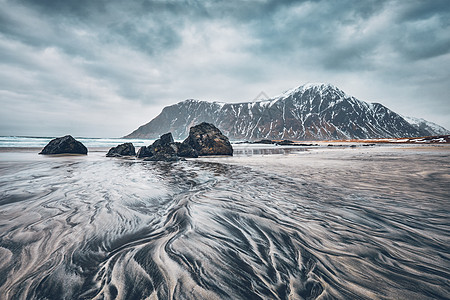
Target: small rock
285, 143
64, 145
264, 142
126, 149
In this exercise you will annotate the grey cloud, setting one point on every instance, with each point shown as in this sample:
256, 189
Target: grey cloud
423, 30
142, 26
153, 53
423, 44
80, 8
318, 32
419, 10
152, 40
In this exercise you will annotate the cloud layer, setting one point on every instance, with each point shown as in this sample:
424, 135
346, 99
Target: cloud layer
102, 68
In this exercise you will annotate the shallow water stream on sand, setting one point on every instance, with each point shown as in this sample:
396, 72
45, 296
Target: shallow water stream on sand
312, 224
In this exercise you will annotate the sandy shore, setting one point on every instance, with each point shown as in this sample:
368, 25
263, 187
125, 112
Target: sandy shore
341, 222
354, 167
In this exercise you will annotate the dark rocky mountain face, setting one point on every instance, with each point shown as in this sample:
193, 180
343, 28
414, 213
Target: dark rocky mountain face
309, 112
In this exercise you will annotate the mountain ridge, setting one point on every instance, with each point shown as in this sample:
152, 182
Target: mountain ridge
420, 123
314, 111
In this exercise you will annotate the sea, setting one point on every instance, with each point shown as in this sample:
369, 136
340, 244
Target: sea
270, 222
40, 142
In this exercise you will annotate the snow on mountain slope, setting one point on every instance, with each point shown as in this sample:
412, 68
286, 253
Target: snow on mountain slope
308, 112
427, 127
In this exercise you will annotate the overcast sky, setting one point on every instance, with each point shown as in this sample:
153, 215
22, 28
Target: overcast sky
103, 68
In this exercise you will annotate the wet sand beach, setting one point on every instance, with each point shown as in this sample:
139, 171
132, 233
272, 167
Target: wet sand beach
268, 223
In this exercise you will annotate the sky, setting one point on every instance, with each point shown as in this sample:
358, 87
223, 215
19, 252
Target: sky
102, 68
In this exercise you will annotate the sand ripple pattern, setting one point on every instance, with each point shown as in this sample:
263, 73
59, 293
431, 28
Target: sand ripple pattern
117, 229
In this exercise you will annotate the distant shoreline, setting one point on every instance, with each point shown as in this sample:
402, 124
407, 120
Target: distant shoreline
246, 149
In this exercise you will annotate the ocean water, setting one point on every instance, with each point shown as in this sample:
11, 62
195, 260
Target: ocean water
312, 224
40, 142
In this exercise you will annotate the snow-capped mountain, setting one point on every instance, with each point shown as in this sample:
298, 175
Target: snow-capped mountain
426, 126
309, 112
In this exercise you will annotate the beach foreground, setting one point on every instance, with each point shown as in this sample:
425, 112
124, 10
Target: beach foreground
268, 223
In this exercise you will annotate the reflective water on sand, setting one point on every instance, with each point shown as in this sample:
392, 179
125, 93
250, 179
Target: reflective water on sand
309, 224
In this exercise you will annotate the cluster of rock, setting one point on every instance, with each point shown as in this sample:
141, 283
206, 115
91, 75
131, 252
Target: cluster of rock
164, 149
204, 139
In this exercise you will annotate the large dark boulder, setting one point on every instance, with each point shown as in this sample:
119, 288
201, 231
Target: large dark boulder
64, 145
207, 139
126, 149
